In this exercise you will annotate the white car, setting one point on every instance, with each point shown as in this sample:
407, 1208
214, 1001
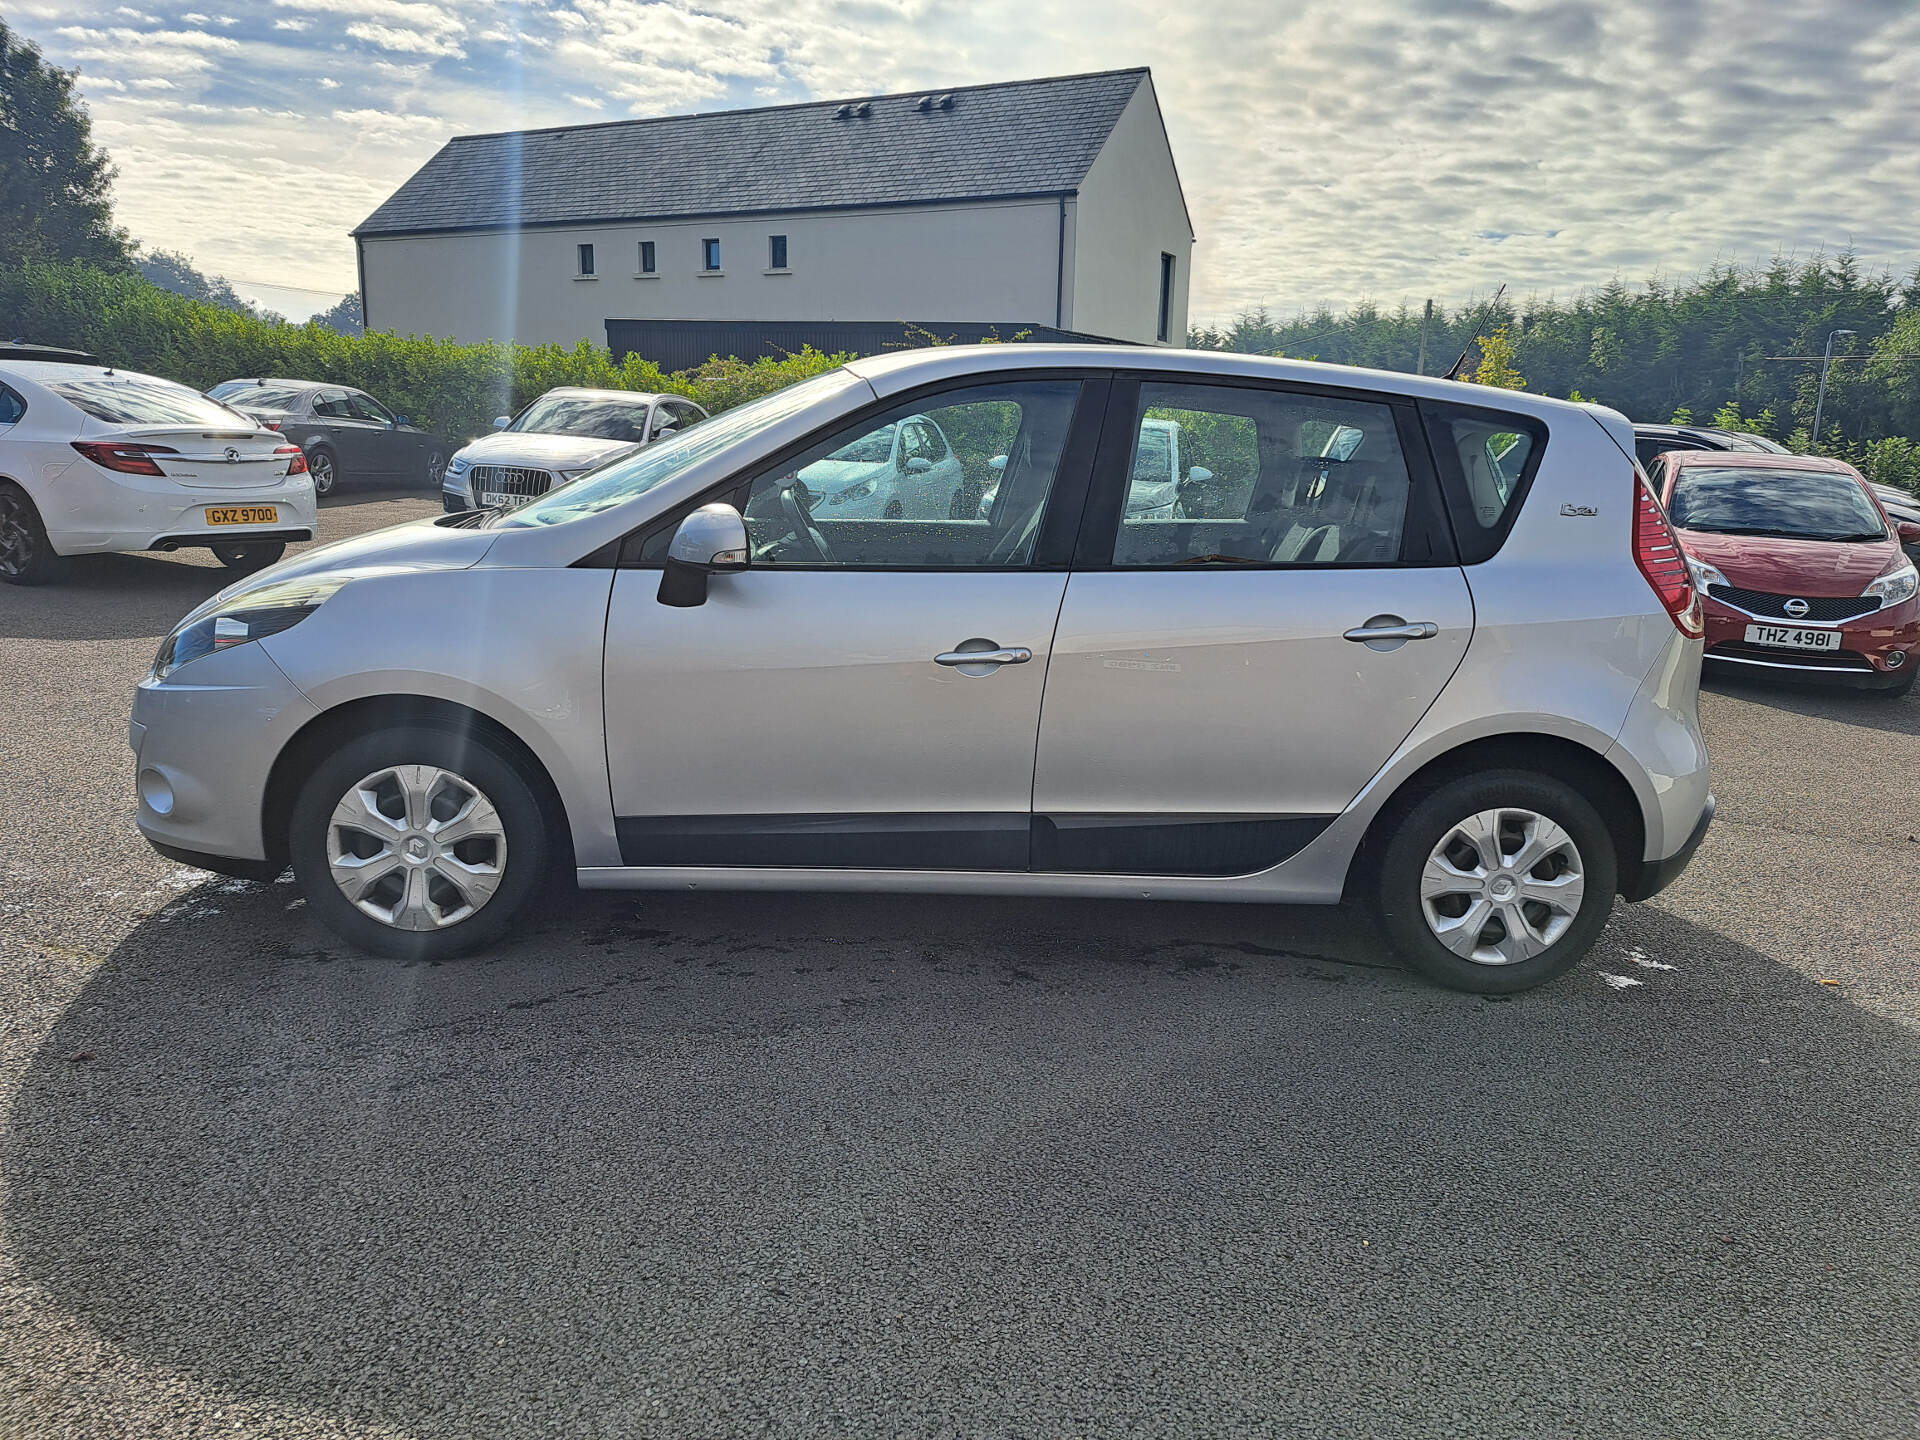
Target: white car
902, 471
558, 438
94, 459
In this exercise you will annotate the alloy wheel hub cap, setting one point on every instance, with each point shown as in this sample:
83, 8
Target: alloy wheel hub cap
416, 847
1502, 886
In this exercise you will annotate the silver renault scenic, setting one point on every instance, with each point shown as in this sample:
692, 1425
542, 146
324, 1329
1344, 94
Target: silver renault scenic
1420, 643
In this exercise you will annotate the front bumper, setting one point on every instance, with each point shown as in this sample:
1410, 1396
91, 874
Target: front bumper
1877, 651
205, 740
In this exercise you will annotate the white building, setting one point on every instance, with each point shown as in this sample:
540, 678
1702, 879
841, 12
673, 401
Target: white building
1043, 205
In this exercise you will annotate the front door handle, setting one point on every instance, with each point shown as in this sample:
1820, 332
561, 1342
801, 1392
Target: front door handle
1009, 655
1399, 630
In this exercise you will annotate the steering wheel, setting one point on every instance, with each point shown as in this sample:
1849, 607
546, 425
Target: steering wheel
802, 523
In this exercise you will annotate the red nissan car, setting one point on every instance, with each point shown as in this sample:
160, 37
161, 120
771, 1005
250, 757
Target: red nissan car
1801, 570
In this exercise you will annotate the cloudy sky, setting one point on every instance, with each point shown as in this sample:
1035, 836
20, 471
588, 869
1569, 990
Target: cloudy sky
1332, 150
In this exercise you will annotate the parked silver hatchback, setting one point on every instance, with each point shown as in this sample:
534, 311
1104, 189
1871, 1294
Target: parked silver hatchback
1403, 639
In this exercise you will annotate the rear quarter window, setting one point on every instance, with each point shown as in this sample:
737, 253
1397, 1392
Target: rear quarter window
1487, 460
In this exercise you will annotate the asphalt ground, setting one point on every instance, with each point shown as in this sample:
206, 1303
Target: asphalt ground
693, 1165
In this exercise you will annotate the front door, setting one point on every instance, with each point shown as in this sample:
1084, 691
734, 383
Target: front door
357, 442
1227, 676
821, 709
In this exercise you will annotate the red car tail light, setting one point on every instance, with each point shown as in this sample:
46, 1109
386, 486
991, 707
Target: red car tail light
298, 464
271, 424
1658, 554
127, 459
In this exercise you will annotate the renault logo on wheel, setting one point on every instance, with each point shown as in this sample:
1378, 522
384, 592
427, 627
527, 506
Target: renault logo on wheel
233, 456
1797, 608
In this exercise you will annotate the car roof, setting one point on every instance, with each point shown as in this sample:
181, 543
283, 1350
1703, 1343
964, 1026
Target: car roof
585, 392
898, 369
1760, 460
40, 371
288, 384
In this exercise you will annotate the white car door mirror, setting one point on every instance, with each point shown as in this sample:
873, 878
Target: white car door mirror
500, 422
712, 540
997, 463
919, 465
1199, 475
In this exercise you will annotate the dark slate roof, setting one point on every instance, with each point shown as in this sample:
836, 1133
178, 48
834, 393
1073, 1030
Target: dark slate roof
1024, 138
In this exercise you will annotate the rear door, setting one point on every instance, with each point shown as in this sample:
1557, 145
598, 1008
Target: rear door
1225, 680
355, 441
819, 709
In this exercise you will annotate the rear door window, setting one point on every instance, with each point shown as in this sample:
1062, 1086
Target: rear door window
1231, 475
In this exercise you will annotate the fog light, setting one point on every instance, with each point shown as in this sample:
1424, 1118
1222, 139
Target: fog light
1895, 659
155, 793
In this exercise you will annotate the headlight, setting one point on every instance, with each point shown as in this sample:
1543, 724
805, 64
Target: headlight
459, 466
852, 492
1896, 585
1705, 574
248, 614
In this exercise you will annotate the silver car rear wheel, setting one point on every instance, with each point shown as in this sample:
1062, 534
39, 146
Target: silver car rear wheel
1502, 886
416, 847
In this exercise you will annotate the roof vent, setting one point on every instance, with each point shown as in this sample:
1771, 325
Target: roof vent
925, 104
841, 112
863, 109
945, 102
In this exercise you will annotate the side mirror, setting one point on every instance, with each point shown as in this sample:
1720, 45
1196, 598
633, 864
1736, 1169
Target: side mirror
1908, 531
500, 422
998, 464
919, 465
1199, 475
398, 421
661, 431
712, 540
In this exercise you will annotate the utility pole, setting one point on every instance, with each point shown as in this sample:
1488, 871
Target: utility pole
1420, 365
1826, 364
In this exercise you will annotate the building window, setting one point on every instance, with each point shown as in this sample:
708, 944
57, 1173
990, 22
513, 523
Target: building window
1166, 298
709, 254
776, 252
647, 262
586, 259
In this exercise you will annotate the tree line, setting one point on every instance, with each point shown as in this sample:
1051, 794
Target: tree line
1737, 345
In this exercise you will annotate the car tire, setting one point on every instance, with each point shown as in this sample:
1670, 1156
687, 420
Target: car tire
396, 783
248, 558
324, 467
436, 468
27, 557
1558, 906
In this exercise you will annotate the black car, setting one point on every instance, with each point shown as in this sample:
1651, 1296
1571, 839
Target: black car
346, 433
1652, 440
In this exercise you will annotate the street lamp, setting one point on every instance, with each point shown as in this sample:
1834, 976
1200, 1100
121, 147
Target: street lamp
1826, 364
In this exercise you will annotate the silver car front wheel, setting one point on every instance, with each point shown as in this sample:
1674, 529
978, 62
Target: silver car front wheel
416, 847
422, 841
1502, 886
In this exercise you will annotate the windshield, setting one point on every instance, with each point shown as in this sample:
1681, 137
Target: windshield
144, 400
636, 473
1796, 504
578, 415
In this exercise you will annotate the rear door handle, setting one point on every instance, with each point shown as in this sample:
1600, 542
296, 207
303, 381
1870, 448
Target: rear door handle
1390, 632
1010, 655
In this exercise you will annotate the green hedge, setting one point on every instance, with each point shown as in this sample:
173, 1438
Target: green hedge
449, 387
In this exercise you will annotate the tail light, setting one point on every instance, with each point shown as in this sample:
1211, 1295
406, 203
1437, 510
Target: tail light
127, 459
298, 464
1658, 554
272, 424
